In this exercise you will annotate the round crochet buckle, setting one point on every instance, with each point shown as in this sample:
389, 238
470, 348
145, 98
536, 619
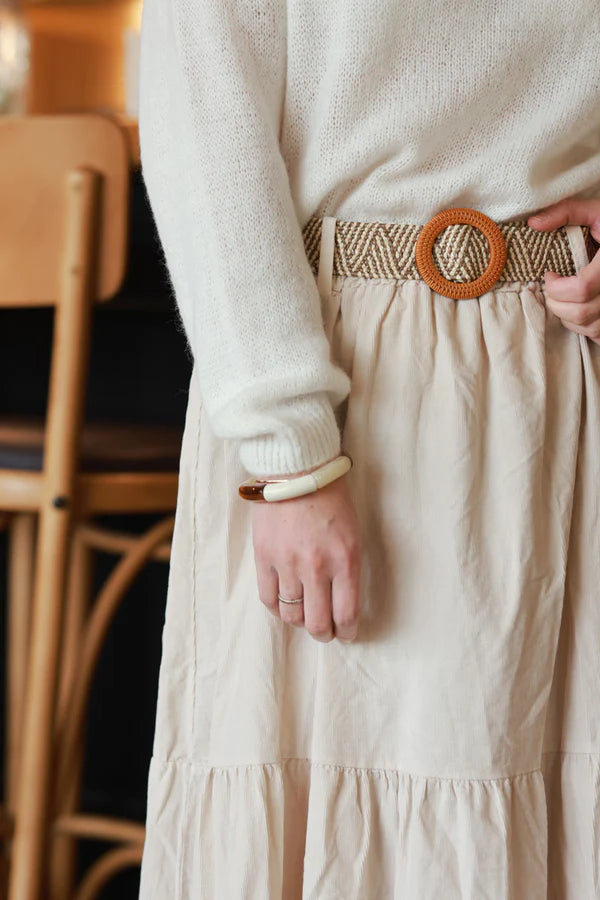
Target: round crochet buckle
460, 215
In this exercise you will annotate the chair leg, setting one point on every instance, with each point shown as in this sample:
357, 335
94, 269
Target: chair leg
21, 561
79, 586
31, 813
63, 848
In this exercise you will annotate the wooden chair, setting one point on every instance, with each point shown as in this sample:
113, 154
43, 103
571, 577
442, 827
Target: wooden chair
64, 214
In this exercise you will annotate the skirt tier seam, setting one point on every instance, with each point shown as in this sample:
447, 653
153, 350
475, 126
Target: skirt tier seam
357, 770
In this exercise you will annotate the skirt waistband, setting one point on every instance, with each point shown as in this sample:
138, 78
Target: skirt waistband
460, 252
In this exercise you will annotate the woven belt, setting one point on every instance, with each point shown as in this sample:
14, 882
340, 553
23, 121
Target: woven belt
460, 252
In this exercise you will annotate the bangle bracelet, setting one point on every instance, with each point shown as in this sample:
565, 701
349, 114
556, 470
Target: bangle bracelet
285, 488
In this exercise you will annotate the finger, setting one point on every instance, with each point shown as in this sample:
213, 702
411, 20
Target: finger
267, 584
569, 211
581, 314
345, 606
593, 332
580, 288
317, 607
589, 331
290, 587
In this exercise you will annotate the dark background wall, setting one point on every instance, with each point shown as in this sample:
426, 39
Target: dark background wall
139, 371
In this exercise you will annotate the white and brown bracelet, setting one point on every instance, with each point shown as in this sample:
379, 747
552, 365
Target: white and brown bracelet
296, 486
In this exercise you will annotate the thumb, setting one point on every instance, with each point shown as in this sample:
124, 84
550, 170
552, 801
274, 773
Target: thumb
579, 288
569, 211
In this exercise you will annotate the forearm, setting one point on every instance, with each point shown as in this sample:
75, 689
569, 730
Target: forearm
212, 81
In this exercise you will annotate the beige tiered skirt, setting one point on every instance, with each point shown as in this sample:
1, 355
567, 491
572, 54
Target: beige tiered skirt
452, 752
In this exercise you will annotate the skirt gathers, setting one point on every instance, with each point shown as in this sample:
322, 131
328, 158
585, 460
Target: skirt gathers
453, 750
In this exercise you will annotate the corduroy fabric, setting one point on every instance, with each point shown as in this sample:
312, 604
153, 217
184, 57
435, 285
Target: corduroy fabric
453, 750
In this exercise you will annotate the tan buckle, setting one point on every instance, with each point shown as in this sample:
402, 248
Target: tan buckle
460, 215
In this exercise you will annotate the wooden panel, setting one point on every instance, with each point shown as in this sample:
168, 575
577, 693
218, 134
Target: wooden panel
118, 492
36, 152
126, 493
77, 54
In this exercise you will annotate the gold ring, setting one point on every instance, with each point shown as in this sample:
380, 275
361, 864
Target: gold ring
296, 600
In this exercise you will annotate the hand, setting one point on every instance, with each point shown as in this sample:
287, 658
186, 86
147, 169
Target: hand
575, 299
311, 546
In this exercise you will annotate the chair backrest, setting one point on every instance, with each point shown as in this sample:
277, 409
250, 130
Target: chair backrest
40, 156
64, 210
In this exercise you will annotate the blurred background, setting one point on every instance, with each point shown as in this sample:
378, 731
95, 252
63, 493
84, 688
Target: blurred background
67, 58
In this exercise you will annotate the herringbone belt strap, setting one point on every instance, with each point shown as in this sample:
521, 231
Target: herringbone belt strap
460, 252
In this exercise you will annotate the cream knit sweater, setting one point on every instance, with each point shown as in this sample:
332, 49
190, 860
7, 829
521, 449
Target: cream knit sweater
255, 114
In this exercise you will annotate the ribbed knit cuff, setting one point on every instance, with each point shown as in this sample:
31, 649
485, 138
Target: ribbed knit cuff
307, 436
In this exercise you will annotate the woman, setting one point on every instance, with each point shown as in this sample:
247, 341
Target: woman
389, 687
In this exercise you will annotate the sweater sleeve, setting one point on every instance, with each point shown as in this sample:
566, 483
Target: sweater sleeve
212, 85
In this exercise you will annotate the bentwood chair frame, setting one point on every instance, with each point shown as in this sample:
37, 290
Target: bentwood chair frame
64, 188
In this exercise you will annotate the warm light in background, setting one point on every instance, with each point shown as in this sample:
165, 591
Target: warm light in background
14, 58
78, 54
8, 48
